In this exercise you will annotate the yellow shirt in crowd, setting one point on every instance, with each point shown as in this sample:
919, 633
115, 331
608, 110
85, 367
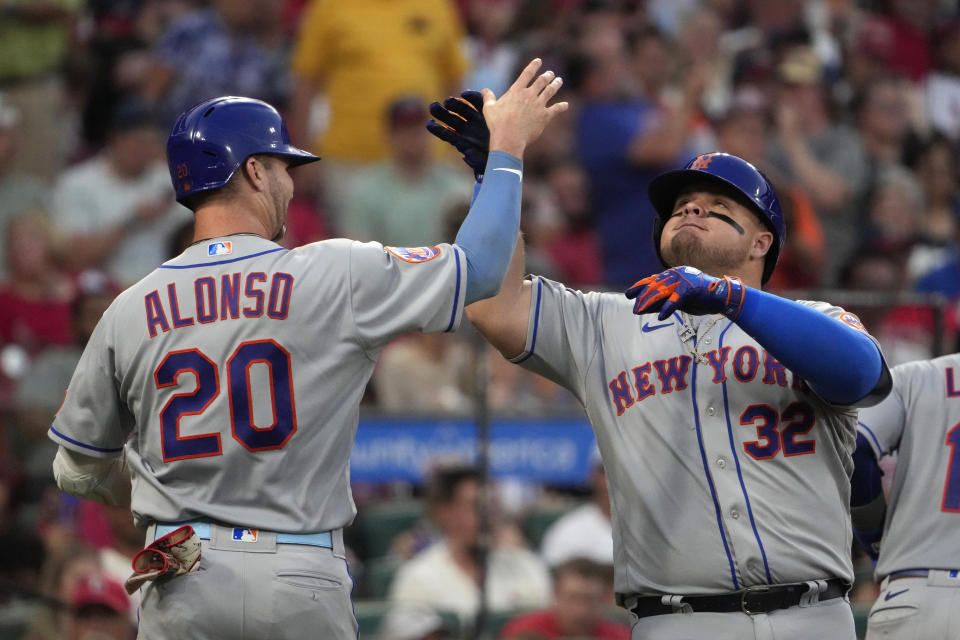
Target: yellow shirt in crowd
367, 53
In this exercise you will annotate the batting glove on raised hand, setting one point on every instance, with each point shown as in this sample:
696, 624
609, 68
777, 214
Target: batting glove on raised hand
459, 121
687, 289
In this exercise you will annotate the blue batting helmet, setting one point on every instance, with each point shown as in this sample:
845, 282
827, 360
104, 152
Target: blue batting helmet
731, 171
212, 139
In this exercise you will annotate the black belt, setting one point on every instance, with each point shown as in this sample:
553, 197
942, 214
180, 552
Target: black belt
752, 600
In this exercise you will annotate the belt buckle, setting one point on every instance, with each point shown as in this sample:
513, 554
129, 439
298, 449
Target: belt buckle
745, 593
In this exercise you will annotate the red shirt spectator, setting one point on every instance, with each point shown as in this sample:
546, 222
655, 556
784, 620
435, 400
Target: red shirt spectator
581, 596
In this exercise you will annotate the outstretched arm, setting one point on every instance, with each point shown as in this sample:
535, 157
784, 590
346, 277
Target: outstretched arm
503, 318
514, 120
841, 363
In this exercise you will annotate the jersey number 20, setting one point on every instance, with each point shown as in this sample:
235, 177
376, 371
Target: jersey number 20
254, 438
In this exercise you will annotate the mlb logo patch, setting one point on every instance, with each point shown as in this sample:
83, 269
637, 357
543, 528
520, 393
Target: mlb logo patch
245, 535
219, 248
414, 254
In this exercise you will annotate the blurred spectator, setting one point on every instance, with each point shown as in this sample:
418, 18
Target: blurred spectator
117, 208
492, 55
21, 601
911, 26
446, 574
743, 131
64, 568
881, 118
410, 621
585, 532
512, 391
623, 144
945, 277
894, 207
120, 55
943, 84
40, 391
231, 47
36, 42
905, 331
401, 201
869, 52
823, 157
18, 191
35, 298
579, 608
424, 374
575, 249
699, 43
361, 56
99, 610
933, 165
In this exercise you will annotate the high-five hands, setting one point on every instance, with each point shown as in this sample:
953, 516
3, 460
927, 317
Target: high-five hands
687, 289
459, 121
477, 123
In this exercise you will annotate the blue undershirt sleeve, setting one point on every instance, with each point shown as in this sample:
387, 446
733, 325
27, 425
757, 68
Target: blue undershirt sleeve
489, 232
840, 363
866, 483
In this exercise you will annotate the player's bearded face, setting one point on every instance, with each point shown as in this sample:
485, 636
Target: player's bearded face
700, 251
281, 192
709, 231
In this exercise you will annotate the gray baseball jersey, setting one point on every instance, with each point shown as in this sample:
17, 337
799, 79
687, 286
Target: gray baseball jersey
725, 470
232, 374
920, 420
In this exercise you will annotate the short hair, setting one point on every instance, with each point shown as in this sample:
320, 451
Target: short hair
444, 481
227, 191
583, 567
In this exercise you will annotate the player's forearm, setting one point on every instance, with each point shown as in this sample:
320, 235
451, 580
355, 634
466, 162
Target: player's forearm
489, 231
840, 363
105, 480
503, 318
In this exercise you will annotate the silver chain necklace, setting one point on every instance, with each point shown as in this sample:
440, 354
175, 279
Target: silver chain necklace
688, 335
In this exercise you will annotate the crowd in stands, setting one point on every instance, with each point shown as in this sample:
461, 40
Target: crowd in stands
850, 107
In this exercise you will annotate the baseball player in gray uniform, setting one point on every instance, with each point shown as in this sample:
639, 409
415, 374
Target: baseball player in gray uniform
725, 416
228, 380
919, 554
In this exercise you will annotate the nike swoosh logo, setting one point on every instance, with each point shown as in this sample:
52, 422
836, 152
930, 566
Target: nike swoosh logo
516, 171
894, 594
647, 328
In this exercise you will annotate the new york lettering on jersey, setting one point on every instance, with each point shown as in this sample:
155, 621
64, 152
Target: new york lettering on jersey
672, 374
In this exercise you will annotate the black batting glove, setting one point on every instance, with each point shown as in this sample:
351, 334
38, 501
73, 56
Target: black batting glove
459, 121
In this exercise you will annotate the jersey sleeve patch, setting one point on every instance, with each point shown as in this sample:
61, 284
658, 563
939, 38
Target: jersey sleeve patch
853, 321
414, 254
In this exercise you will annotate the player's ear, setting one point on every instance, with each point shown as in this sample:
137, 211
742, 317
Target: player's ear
762, 241
255, 171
